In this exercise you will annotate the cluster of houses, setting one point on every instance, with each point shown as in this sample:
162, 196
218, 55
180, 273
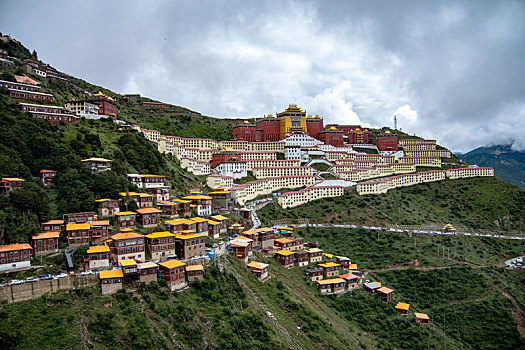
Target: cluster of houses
334, 275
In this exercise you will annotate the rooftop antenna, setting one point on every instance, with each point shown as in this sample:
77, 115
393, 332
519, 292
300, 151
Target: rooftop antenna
395, 122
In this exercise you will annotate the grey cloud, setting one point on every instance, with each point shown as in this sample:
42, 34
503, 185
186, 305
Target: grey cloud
456, 65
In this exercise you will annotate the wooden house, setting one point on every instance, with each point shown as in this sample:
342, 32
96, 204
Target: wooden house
78, 234
315, 255
352, 281
45, 243
46, 176
97, 258
127, 245
173, 272
100, 231
15, 256
223, 227
148, 217
372, 287
343, 261
214, 228
259, 269
301, 258
126, 219
107, 207
111, 281
130, 269
189, 244
402, 308
52, 225
161, 245
330, 269
331, 286
315, 274
421, 318
285, 258
195, 273
385, 294
148, 272
80, 218
201, 225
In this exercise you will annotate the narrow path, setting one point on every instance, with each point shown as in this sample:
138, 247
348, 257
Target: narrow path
518, 314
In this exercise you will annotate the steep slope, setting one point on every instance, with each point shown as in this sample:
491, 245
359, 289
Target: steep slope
507, 163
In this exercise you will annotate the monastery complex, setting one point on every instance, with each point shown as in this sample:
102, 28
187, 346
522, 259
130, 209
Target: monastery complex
280, 152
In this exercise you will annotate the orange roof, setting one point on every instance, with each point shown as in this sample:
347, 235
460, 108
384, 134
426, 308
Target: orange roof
148, 211
50, 234
257, 265
101, 223
385, 290
194, 268
125, 213
126, 235
219, 217
166, 202
198, 219
348, 276
170, 264
402, 306
329, 264
84, 226
421, 316
98, 249
14, 246
160, 234
239, 244
111, 274
53, 222
283, 240
188, 235
284, 252
330, 281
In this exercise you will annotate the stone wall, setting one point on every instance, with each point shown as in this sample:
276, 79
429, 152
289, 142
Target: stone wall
28, 291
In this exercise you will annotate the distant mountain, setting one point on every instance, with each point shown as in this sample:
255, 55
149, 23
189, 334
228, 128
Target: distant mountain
507, 163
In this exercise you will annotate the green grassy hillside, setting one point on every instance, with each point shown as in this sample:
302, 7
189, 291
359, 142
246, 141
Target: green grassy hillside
28, 145
477, 203
471, 306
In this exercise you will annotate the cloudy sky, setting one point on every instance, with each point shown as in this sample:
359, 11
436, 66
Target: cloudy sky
449, 70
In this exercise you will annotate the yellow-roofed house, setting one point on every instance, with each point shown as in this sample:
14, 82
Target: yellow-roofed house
330, 269
331, 286
78, 234
97, 257
111, 281
285, 258
195, 273
173, 272
161, 245
402, 308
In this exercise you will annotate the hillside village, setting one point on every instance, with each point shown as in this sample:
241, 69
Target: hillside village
148, 235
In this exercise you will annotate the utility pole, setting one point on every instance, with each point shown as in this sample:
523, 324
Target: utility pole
395, 122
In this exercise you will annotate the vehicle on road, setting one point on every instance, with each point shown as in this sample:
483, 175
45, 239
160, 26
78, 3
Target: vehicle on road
12, 282
32, 279
61, 275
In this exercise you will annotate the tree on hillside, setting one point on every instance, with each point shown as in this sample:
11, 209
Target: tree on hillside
31, 198
35, 55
